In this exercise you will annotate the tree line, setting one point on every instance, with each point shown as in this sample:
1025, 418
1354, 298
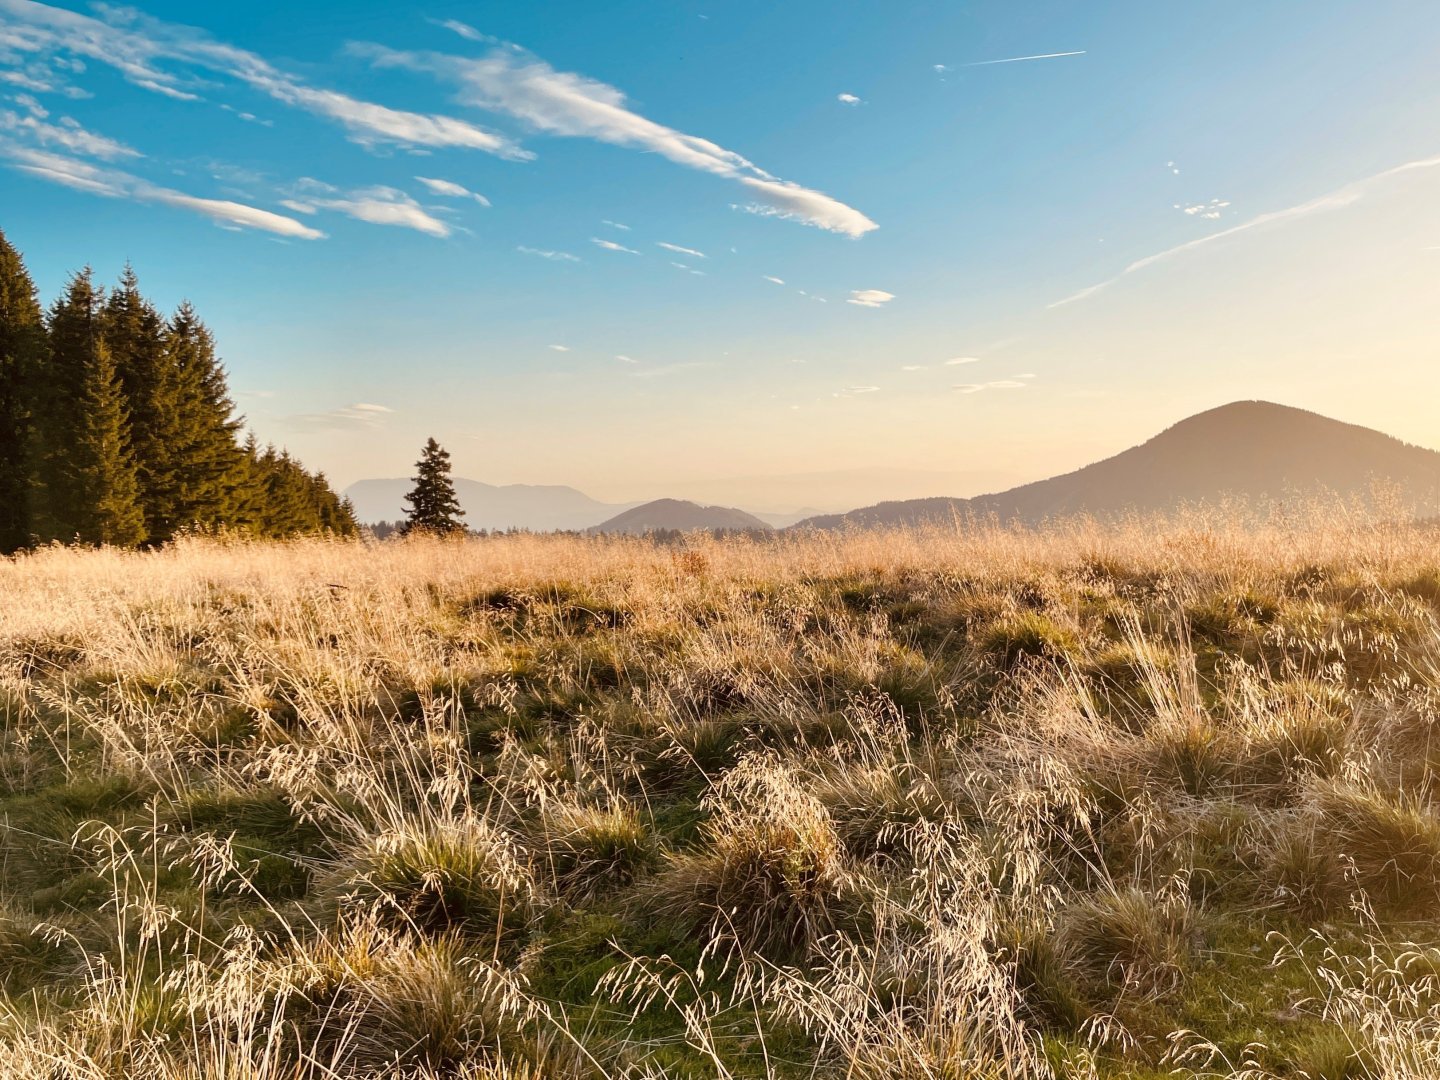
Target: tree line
116, 427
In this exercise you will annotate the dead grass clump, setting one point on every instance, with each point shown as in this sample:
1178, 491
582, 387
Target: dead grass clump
25, 950
872, 807
1029, 633
1393, 840
1132, 941
771, 877
1192, 754
366, 1002
1302, 869
462, 874
589, 850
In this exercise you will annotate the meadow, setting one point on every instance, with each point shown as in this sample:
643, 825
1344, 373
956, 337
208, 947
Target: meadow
1143, 800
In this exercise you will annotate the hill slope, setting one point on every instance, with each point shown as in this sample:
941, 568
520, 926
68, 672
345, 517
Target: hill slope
682, 516
1249, 449
540, 507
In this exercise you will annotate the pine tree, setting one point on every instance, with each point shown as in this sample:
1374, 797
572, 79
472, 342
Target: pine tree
59, 413
135, 334
434, 507
209, 470
119, 427
112, 509
22, 345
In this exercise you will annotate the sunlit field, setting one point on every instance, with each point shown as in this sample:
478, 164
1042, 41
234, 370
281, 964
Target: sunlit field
950, 804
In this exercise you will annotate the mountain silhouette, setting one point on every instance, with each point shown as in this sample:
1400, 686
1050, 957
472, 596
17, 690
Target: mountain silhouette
1251, 450
682, 516
541, 507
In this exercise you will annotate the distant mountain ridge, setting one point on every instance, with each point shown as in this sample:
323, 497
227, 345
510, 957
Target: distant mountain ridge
540, 507
1247, 449
679, 515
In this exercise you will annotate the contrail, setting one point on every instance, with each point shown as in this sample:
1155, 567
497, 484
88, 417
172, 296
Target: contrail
1017, 59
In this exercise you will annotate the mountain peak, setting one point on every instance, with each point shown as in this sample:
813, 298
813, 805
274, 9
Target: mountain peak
681, 515
1251, 450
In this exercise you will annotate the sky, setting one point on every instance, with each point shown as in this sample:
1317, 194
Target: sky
779, 255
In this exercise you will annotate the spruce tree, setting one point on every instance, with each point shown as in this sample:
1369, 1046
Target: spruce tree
117, 427
22, 344
101, 448
208, 467
60, 409
135, 334
434, 507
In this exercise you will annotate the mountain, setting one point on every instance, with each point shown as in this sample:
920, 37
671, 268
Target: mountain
1248, 449
682, 516
771, 495
540, 507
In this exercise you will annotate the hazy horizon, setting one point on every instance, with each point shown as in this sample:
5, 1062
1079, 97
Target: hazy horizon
466, 225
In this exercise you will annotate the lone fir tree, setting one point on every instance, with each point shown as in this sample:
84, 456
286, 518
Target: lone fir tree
433, 505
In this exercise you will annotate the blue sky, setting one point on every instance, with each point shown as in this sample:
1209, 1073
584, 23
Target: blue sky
886, 251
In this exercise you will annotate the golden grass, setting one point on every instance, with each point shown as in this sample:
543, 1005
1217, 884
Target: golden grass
949, 803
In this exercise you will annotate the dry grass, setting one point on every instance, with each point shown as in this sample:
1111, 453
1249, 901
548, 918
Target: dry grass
947, 804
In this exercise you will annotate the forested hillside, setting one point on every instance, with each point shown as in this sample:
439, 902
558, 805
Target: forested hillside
116, 426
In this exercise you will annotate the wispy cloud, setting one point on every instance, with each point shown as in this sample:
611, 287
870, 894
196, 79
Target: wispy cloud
1335, 200
855, 391
452, 190
41, 78
956, 361
774, 280
560, 348
681, 250
554, 256
871, 298
615, 225
374, 205
518, 84
1018, 59
1211, 210
469, 33
998, 384
248, 117
65, 134
625, 359
139, 47
114, 184
361, 416
848, 99
611, 245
